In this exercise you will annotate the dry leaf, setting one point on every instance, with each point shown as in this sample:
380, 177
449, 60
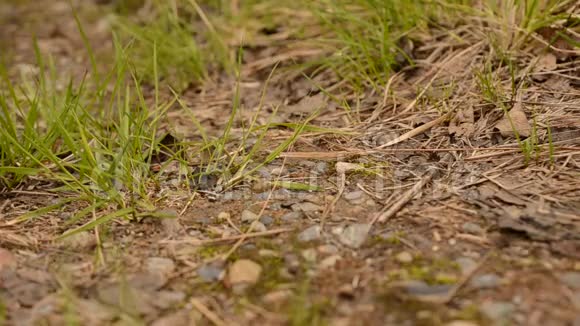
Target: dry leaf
463, 123
519, 122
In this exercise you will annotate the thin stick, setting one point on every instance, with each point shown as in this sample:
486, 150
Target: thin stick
491, 155
210, 315
191, 198
231, 223
404, 199
336, 154
419, 130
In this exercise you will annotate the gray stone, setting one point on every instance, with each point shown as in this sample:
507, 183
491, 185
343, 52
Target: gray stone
171, 226
93, 312
465, 264
306, 163
29, 293
292, 216
211, 272
355, 235
310, 234
148, 281
277, 170
472, 228
257, 226
497, 310
167, 299
321, 167
275, 206
327, 249
486, 281
264, 173
292, 262
267, 220
244, 271
249, 216
422, 289
203, 220
354, 195
306, 207
160, 265
571, 279
132, 300
80, 241
248, 246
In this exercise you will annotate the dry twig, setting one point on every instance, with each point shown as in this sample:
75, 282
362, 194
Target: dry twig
404, 199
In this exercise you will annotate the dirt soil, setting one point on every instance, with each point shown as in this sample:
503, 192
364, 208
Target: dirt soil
415, 219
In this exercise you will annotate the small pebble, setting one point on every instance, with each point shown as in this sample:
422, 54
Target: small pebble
404, 257
160, 265
497, 311
277, 171
267, 220
310, 234
422, 289
292, 262
244, 271
309, 255
337, 230
277, 297
321, 167
203, 221
330, 261
222, 216
249, 216
486, 281
257, 226
472, 228
210, 272
354, 195
292, 216
306, 207
465, 264
260, 186
355, 235
327, 249
268, 253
